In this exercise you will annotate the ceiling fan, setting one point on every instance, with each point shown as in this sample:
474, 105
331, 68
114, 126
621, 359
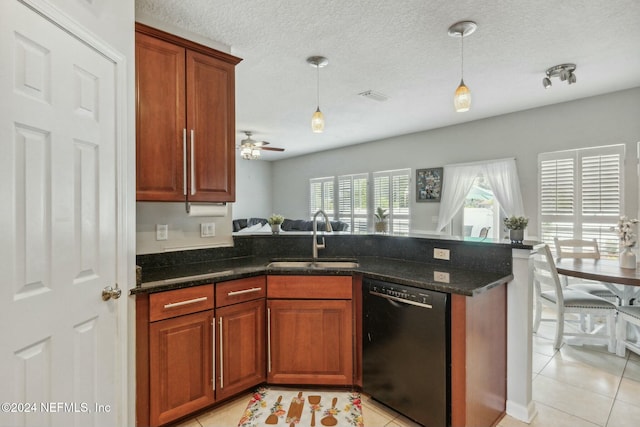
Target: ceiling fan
250, 148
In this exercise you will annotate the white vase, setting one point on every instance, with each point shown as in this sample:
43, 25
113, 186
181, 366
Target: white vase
275, 228
516, 236
627, 258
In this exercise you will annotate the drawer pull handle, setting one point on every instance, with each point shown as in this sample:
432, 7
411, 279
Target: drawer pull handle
185, 302
244, 291
269, 340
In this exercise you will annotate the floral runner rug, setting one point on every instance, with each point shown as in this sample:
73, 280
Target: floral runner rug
270, 406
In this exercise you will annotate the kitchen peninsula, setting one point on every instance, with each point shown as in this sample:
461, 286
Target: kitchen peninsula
474, 278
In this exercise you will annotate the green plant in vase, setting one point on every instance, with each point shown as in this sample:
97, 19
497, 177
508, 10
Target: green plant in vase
275, 220
381, 216
516, 226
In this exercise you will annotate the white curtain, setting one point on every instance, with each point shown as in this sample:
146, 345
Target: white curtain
458, 179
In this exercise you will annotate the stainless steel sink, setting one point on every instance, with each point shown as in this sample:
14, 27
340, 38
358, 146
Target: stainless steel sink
335, 264
326, 264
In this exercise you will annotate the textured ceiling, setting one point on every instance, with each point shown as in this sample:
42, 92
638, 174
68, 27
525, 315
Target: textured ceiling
402, 50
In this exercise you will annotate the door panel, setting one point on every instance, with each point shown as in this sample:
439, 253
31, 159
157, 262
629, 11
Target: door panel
161, 119
241, 347
57, 165
211, 116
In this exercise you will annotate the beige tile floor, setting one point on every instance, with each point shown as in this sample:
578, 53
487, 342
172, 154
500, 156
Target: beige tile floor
573, 387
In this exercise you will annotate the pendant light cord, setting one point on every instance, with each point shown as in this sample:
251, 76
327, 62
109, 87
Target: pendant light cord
462, 55
318, 84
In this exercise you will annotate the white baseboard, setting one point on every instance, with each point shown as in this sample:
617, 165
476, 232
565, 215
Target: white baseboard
522, 413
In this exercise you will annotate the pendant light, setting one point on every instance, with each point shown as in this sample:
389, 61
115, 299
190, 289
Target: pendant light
317, 120
462, 97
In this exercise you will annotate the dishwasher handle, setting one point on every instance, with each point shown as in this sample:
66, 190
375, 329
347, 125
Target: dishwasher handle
400, 300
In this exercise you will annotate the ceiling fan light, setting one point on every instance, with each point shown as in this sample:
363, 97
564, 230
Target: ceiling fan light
462, 98
317, 121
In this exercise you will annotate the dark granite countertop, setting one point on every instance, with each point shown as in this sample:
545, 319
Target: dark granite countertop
411, 273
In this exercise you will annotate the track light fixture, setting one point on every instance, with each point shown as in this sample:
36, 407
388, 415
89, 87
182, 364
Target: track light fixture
317, 120
565, 72
462, 96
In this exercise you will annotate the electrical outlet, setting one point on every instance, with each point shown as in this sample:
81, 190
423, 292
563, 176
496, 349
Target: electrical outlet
162, 231
441, 254
208, 229
441, 276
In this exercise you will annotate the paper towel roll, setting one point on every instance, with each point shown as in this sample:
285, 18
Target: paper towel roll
208, 209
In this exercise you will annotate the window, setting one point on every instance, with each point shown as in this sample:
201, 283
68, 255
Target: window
581, 195
391, 192
321, 196
352, 201
481, 210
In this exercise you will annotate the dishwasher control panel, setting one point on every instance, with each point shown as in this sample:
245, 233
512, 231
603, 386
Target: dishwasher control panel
400, 292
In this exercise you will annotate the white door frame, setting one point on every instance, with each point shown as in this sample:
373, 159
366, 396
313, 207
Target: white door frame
125, 199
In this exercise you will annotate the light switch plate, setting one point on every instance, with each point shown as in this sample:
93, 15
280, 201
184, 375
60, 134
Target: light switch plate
162, 231
208, 229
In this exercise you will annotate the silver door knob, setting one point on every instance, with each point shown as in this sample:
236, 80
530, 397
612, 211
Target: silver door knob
109, 292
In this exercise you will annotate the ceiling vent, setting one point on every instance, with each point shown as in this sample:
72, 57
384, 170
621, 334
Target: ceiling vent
376, 96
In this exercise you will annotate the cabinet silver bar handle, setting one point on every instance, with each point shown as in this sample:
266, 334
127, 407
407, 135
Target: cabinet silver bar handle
221, 355
244, 291
193, 164
213, 352
184, 161
269, 339
185, 302
404, 301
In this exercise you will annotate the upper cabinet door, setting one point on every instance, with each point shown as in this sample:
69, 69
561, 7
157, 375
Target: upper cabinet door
211, 128
160, 120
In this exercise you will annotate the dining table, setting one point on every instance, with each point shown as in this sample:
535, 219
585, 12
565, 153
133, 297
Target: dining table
624, 282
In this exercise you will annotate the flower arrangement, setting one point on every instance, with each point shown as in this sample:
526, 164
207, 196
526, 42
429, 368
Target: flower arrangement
625, 231
275, 219
516, 222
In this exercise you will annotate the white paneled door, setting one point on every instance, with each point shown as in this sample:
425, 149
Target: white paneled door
59, 342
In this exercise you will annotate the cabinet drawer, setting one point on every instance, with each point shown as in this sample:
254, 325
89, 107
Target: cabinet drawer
164, 305
241, 290
309, 287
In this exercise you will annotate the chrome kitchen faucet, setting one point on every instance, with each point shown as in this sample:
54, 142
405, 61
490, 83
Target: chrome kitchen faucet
317, 245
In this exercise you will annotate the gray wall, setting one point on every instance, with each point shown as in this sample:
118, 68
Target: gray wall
608, 119
281, 186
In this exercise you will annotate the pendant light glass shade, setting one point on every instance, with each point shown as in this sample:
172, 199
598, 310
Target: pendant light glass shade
317, 121
462, 98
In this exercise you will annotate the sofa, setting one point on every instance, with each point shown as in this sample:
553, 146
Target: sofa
288, 224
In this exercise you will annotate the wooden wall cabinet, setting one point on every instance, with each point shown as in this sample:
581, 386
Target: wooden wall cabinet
185, 120
310, 330
240, 358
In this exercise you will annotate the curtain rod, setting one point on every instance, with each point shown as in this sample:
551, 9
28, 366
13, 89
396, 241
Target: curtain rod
481, 162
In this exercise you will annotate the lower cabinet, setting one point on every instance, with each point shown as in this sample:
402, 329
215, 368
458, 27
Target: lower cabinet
310, 340
189, 356
241, 347
180, 366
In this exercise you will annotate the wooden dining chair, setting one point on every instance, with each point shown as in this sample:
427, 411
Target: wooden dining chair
627, 314
565, 301
577, 248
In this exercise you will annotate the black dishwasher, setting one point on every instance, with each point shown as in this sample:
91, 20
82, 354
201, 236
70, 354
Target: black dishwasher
405, 352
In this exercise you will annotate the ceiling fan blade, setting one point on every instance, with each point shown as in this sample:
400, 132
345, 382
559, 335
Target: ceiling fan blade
272, 148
